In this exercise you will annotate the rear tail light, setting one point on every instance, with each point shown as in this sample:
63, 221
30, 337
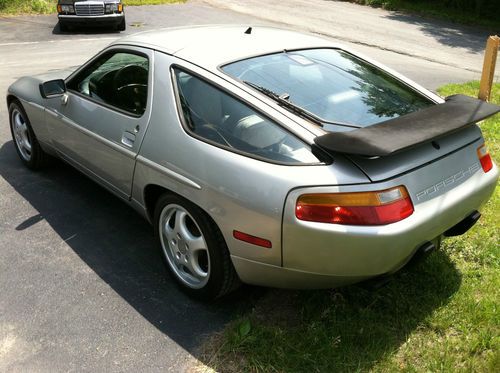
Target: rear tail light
362, 208
484, 158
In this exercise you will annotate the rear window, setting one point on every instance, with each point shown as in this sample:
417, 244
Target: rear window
334, 85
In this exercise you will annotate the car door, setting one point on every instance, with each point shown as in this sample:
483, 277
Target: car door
99, 124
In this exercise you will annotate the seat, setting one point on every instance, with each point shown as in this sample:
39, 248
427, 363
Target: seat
204, 102
258, 132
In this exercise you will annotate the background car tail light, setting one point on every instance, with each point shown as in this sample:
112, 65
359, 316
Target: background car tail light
484, 158
361, 208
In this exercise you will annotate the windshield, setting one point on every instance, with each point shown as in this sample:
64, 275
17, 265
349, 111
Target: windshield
331, 84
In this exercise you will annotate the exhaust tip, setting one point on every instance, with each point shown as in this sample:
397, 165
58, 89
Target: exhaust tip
464, 225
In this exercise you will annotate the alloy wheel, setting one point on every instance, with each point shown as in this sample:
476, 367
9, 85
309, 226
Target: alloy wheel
184, 246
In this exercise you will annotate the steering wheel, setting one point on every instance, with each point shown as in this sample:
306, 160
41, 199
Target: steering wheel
130, 86
130, 74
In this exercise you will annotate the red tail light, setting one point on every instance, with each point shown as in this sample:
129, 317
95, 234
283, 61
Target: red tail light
484, 158
361, 208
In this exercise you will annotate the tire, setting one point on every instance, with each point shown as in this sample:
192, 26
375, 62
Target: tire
63, 27
122, 26
193, 249
27, 146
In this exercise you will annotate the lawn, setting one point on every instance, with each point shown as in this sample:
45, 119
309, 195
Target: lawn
14, 7
439, 315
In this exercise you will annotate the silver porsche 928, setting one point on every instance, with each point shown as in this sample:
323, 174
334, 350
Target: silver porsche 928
262, 155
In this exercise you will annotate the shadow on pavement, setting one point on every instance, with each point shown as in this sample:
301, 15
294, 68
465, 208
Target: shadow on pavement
117, 244
447, 33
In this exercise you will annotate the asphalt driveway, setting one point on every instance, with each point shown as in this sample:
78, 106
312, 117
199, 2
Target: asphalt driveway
82, 286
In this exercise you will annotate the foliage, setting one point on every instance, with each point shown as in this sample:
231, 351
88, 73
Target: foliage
439, 315
476, 12
49, 6
25, 6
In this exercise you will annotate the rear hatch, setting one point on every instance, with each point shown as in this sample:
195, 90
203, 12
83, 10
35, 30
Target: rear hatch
382, 168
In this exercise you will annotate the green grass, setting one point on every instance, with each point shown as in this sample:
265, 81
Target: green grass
440, 315
15, 7
444, 10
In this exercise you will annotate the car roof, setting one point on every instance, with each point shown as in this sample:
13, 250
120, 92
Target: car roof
212, 46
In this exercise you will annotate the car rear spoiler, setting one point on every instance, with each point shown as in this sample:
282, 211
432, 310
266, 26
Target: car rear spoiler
409, 130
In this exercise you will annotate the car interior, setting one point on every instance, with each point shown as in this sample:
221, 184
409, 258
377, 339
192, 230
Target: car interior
120, 81
217, 116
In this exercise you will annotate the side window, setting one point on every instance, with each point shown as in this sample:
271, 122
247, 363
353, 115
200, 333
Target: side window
216, 116
118, 79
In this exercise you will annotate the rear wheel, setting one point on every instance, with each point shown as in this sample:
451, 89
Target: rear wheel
193, 248
25, 141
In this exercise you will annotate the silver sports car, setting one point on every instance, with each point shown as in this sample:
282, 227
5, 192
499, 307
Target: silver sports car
263, 155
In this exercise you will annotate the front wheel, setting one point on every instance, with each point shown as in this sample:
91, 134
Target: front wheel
25, 141
122, 25
63, 27
193, 248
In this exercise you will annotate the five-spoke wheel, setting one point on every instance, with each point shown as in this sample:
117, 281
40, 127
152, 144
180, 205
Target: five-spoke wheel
21, 134
193, 248
26, 143
184, 246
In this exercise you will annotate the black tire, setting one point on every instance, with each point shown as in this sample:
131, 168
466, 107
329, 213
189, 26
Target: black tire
122, 26
222, 277
35, 158
63, 27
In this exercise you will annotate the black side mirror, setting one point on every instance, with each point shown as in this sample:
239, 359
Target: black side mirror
52, 88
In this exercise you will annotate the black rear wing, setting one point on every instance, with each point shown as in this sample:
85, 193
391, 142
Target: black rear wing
409, 130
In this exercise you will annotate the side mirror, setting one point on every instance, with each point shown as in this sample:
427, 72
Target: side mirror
52, 88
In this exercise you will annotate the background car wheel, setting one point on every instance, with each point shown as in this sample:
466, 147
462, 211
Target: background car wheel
193, 248
63, 27
122, 26
25, 141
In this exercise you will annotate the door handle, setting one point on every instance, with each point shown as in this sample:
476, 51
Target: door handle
128, 139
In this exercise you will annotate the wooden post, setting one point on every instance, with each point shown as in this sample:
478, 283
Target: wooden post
490, 59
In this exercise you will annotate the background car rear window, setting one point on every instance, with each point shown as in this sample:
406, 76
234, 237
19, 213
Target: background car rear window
211, 114
332, 84
117, 79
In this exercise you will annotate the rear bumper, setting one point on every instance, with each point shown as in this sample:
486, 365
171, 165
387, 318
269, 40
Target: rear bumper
319, 255
107, 19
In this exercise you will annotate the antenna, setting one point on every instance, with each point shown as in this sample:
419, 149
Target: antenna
248, 31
